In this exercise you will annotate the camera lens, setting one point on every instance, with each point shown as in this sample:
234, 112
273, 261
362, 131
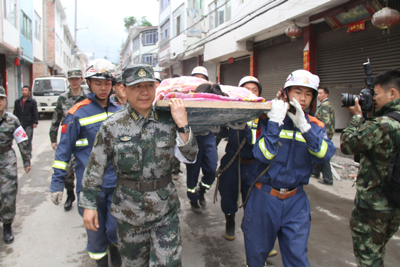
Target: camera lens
348, 100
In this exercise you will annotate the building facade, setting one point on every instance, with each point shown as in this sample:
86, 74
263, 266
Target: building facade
247, 37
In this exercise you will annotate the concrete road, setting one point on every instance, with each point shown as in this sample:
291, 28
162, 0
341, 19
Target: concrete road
47, 236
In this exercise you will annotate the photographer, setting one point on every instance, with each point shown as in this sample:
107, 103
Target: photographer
374, 218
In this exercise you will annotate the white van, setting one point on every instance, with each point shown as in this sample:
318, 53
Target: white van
46, 90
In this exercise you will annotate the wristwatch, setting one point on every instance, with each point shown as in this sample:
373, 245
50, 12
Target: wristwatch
184, 129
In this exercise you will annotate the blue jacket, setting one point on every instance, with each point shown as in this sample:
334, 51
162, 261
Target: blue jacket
78, 133
291, 164
233, 142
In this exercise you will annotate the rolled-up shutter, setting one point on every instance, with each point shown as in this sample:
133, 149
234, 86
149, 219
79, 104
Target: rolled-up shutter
275, 63
340, 58
232, 73
190, 64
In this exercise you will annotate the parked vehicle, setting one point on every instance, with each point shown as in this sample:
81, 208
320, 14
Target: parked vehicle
46, 91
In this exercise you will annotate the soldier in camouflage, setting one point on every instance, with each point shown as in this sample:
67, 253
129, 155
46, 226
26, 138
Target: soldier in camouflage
374, 218
326, 114
64, 102
10, 128
141, 143
119, 97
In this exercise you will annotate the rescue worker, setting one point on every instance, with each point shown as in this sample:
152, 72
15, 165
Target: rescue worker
207, 160
78, 133
119, 97
287, 144
200, 72
66, 101
10, 128
140, 143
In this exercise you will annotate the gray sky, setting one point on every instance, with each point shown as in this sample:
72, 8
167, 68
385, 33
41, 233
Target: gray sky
104, 19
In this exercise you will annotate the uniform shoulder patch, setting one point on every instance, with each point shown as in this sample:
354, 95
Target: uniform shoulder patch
316, 121
79, 105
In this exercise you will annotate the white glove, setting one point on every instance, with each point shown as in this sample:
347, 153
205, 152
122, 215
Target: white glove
214, 129
56, 197
278, 111
299, 119
236, 125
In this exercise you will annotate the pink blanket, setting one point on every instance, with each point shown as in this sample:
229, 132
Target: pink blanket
183, 87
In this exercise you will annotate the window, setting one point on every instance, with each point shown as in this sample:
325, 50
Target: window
26, 27
9, 11
136, 44
220, 12
150, 38
197, 4
179, 20
165, 30
149, 59
164, 4
38, 26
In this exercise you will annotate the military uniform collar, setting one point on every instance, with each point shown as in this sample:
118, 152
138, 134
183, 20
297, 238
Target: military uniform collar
71, 95
389, 107
153, 115
4, 116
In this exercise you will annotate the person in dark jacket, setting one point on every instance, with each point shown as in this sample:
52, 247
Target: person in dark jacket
25, 108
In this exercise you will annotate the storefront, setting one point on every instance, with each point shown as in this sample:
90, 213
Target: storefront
233, 70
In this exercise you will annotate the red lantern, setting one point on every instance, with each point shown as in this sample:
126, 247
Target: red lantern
294, 31
16, 61
385, 18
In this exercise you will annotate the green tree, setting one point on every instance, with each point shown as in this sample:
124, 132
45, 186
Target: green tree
144, 22
129, 21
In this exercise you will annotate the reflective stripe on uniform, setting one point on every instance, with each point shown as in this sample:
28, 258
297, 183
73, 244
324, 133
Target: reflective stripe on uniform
264, 149
60, 165
95, 118
82, 142
97, 256
322, 151
253, 136
288, 134
192, 190
205, 185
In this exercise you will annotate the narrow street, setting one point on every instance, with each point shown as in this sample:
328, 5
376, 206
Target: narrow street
47, 236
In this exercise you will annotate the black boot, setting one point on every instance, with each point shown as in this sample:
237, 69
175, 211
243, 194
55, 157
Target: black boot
202, 200
7, 233
230, 227
70, 199
115, 256
103, 262
196, 208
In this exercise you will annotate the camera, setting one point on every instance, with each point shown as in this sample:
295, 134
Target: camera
366, 94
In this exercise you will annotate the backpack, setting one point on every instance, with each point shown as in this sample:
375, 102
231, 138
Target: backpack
392, 182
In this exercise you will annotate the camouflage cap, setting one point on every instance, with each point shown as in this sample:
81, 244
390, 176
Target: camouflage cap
2, 92
119, 78
138, 74
74, 73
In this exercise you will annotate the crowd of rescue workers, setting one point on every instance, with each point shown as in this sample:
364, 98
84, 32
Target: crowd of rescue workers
121, 156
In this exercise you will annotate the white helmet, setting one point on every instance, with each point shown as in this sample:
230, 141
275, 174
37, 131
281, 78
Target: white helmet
200, 70
100, 69
250, 79
302, 78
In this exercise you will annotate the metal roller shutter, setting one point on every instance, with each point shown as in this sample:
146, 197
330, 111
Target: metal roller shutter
340, 58
275, 63
190, 64
232, 73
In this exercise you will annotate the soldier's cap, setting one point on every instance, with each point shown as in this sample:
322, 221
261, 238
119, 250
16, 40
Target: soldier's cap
119, 78
3, 92
138, 74
74, 73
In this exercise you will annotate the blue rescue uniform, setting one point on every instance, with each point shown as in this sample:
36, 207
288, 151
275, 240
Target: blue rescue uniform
78, 133
287, 216
207, 160
229, 179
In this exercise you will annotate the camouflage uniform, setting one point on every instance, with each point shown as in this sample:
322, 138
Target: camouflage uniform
374, 219
140, 149
8, 165
326, 114
116, 100
64, 102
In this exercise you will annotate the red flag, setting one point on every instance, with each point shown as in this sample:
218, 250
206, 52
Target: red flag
64, 128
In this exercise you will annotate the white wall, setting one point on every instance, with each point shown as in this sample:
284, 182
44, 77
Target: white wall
11, 34
12, 84
37, 44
